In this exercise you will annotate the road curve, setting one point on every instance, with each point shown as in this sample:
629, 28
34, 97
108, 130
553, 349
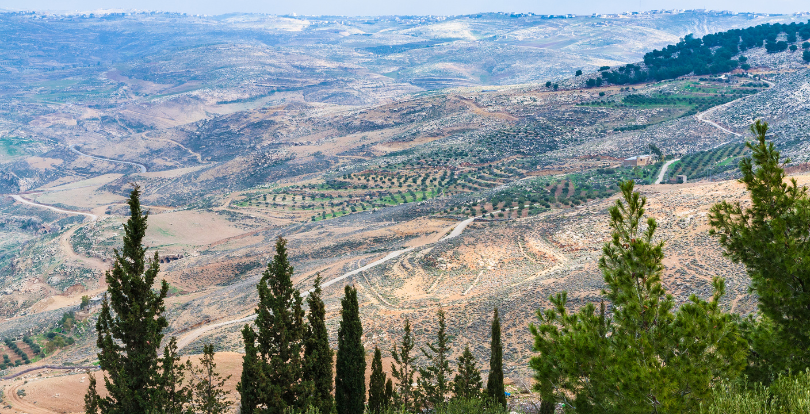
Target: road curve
141, 167
20, 198
193, 335
701, 117
460, 228
664, 170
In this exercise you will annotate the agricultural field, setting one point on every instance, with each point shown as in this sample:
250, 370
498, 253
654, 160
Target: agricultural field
706, 164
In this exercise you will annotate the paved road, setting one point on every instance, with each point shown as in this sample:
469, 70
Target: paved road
664, 170
19, 198
193, 335
460, 228
141, 167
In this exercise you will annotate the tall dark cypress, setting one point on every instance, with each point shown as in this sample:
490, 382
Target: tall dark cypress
495, 389
350, 379
280, 337
252, 380
317, 353
390, 395
377, 399
130, 324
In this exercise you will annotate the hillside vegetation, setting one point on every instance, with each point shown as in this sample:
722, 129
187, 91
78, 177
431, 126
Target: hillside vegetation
712, 54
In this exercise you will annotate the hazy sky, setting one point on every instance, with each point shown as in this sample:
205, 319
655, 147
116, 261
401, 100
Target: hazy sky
421, 7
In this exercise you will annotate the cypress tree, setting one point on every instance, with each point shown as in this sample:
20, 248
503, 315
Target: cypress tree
390, 396
207, 385
252, 381
130, 324
772, 239
434, 379
91, 399
279, 341
317, 353
350, 378
174, 395
495, 389
377, 398
402, 369
467, 383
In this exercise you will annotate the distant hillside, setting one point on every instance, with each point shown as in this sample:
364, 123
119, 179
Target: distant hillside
711, 54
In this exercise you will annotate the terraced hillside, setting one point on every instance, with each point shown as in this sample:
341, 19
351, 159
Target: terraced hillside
386, 160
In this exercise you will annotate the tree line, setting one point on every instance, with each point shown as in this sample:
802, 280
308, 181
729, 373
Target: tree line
634, 352
288, 362
711, 54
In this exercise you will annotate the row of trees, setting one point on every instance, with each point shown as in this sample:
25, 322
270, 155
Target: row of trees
288, 362
638, 353
16, 349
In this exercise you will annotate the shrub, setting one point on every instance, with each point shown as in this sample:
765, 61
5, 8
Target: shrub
456, 406
788, 395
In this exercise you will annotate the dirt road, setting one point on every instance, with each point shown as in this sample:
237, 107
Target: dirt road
23, 200
702, 117
664, 170
193, 335
67, 248
141, 167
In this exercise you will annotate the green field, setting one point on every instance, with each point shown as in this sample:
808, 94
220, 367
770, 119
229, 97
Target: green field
707, 163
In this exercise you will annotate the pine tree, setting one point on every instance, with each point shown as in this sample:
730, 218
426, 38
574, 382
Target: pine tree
467, 383
646, 358
317, 353
252, 381
350, 370
280, 336
209, 396
377, 400
402, 369
772, 239
130, 324
495, 388
434, 379
174, 395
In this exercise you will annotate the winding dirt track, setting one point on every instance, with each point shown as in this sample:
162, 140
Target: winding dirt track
196, 333
173, 142
23, 200
64, 244
141, 167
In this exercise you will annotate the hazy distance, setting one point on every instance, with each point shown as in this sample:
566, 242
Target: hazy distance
414, 7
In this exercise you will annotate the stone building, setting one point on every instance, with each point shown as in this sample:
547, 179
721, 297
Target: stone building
638, 161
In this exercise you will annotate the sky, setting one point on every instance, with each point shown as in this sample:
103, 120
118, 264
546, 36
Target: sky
408, 7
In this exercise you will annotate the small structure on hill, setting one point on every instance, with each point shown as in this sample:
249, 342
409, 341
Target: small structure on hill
681, 179
638, 161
